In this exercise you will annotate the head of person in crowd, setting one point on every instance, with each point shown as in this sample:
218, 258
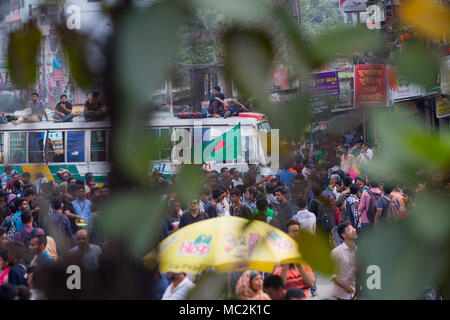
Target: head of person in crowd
355, 189
205, 195
38, 244
234, 173
21, 204
250, 286
225, 172
262, 204
388, 187
235, 196
293, 227
316, 190
295, 294
274, 287
193, 206
30, 195
26, 177
347, 232
82, 238
281, 194
3, 238
246, 213
27, 218
299, 178
81, 194
9, 292
175, 207
4, 261
105, 190
302, 203
16, 252
335, 179
347, 182
360, 181
34, 96
18, 185
71, 181
217, 194
95, 193
345, 151
250, 194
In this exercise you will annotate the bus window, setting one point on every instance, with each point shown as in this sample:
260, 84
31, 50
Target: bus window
98, 145
75, 146
1, 148
35, 147
56, 146
17, 147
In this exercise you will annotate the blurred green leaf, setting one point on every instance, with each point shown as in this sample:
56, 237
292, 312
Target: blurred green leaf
408, 148
408, 265
146, 43
23, 50
419, 65
75, 46
248, 56
188, 184
315, 250
210, 286
292, 117
345, 42
136, 217
136, 147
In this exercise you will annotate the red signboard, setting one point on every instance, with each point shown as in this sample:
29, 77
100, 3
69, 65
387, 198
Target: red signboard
370, 85
58, 75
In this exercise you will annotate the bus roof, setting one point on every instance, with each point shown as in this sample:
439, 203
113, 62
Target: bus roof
50, 125
167, 119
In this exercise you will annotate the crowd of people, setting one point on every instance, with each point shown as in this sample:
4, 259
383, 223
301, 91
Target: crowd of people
63, 111
326, 186
45, 222
322, 186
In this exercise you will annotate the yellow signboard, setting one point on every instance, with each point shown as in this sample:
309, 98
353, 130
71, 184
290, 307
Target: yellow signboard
442, 108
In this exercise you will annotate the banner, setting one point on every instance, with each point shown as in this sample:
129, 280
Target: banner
324, 84
442, 108
370, 85
400, 88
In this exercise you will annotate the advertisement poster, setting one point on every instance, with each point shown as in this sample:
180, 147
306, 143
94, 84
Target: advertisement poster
400, 88
442, 108
324, 84
370, 85
56, 139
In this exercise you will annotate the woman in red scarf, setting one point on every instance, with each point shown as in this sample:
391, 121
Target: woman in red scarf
250, 286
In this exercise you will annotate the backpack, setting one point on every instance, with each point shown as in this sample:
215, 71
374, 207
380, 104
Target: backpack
12, 229
325, 216
393, 212
372, 210
2, 179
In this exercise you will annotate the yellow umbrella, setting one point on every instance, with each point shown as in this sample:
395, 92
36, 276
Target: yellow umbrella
223, 243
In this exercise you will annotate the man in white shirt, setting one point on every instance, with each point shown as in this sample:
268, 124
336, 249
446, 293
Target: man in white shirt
366, 154
344, 280
306, 219
235, 177
179, 288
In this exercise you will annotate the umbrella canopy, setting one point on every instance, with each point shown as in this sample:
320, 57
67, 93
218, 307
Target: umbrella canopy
224, 244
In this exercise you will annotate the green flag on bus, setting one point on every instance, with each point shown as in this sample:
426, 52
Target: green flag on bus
226, 147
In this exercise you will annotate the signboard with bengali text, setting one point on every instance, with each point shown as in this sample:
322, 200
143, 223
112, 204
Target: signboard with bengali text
370, 85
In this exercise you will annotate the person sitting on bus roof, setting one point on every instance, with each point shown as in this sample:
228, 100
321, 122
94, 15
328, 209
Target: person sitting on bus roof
37, 111
216, 103
63, 110
234, 108
93, 108
3, 120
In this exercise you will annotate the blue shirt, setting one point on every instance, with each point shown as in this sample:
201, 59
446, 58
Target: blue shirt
44, 258
213, 97
17, 219
64, 222
90, 256
82, 208
287, 177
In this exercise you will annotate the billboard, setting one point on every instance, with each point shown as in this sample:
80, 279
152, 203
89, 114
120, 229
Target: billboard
370, 85
324, 84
